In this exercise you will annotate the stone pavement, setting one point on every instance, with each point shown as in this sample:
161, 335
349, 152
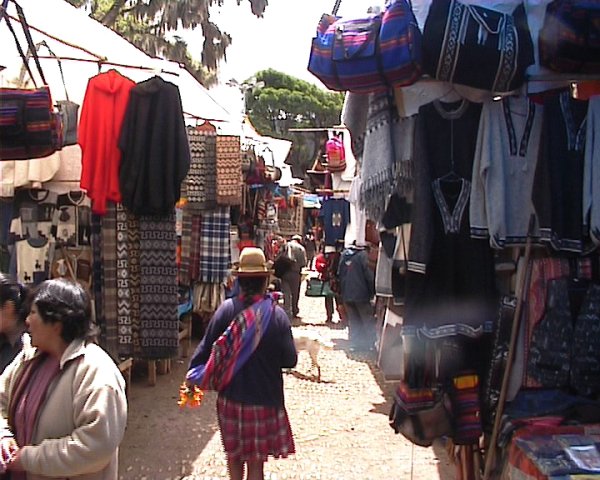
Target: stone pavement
340, 424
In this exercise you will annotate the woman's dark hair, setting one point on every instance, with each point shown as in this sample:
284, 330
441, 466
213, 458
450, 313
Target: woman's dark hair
13, 291
252, 286
62, 301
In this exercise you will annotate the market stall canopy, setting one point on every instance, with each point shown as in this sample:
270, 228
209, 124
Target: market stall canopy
72, 34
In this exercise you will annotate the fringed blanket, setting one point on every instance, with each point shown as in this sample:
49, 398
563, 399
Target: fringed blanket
386, 161
215, 253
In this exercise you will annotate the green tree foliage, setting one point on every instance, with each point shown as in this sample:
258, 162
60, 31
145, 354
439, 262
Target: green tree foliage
281, 102
148, 24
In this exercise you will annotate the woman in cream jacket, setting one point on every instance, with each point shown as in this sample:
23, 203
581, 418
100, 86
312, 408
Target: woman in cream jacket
63, 408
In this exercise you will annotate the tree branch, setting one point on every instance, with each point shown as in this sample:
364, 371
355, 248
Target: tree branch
111, 16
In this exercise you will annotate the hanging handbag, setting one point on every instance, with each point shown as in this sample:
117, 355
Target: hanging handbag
272, 173
248, 158
368, 54
316, 287
569, 41
256, 171
67, 109
421, 414
476, 46
29, 125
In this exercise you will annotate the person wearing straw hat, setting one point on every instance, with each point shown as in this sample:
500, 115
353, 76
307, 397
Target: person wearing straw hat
247, 343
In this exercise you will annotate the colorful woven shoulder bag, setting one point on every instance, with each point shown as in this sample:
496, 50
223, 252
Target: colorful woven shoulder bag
29, 125
369, 54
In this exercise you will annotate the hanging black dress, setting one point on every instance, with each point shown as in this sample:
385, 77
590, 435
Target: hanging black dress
450, 285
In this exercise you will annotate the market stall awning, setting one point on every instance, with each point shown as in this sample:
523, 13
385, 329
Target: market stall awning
86, 47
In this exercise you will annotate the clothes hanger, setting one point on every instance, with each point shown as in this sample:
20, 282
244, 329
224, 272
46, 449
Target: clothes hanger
451, 177
451, 96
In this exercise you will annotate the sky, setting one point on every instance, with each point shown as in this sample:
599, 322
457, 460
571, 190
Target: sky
280, 40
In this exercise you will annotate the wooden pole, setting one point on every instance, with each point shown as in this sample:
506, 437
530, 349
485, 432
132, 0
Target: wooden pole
491, 453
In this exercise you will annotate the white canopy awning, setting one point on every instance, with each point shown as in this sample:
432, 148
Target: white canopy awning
73, 26
269, 147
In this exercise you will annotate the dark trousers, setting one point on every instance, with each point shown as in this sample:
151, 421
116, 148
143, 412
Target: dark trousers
361, 324
290, 284
330, 308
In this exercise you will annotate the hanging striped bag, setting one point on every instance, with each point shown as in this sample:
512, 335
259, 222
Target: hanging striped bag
30, 127
369, 54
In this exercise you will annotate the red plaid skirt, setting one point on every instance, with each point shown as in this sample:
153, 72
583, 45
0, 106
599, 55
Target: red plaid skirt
253, 432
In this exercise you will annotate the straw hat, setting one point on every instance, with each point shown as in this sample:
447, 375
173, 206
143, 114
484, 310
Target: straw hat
297, 237
252, 263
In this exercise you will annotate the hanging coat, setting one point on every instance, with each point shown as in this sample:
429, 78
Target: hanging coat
155, 150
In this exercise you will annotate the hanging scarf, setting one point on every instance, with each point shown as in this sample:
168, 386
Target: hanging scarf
385, 157
233, 348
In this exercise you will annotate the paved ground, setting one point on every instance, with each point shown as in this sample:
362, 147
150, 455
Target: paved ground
340, 424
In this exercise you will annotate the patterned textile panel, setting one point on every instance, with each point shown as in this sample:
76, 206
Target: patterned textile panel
195, 247
186, 246
109, 292
229, 170
215, 254
125, 334
98, 275
159, 323
133, 250
200, 183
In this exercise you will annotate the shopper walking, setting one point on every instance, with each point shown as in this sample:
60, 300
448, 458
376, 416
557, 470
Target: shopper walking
310, 245
357, 283
247, 343
322, 267
62, 400
295, 251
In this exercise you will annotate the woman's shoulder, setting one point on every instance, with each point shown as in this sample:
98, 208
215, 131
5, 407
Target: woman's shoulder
280, 317
97, 361
225, 310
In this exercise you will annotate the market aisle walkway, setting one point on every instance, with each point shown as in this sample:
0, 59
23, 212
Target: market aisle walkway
340, 424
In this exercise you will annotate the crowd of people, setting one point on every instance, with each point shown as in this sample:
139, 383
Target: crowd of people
349, 280
63, 407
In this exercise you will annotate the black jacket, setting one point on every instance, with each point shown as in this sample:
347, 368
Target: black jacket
155, 150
